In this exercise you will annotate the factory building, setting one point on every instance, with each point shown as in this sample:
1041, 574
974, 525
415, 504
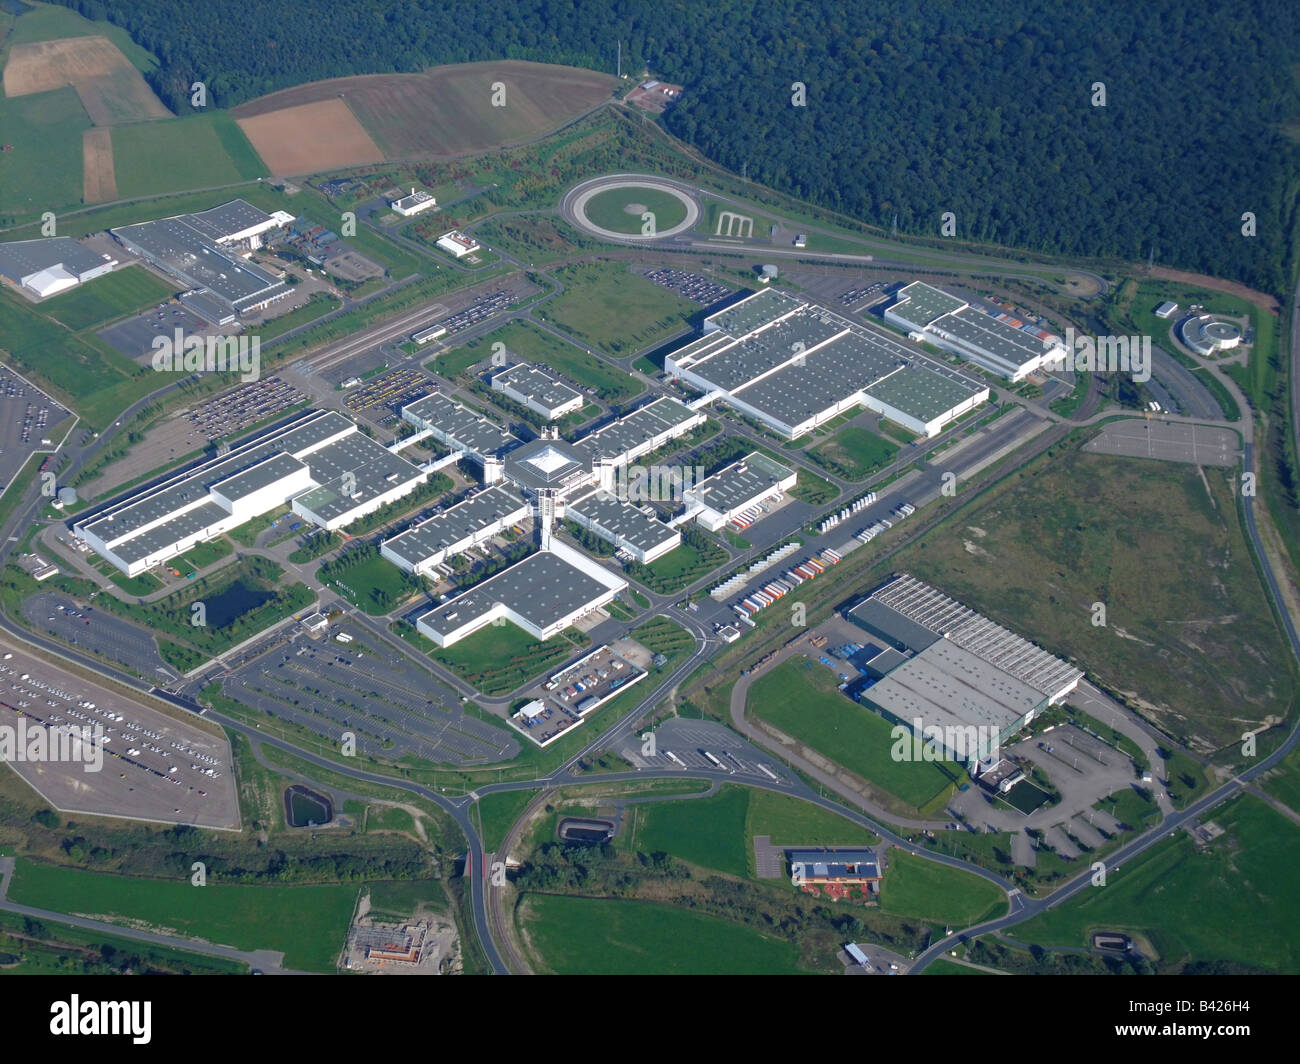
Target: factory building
536, 390
50, 266
740, 486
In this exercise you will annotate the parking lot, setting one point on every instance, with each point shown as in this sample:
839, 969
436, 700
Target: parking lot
155, 766
394, 707
682, 744
238, 409
693, 286
135, 336
87, 628
28, 418
1169, 442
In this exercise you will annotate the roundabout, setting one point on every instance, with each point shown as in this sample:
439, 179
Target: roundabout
631, 207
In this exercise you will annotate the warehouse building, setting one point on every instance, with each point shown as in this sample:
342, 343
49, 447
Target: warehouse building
456, 426
328, 471
487, 513
738, 487
458, 243
543, 594
1000, 344
631, 530
205, 251
417, 201
793, 367
536, 390
50, 266
644, 430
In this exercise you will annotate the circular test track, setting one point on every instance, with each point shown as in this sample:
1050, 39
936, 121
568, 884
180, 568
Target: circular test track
574, 206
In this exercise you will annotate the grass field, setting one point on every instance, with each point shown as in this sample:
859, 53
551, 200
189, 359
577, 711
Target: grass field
930, 891
854, 453
793, 822
498, 658
43, 170
947, 967
526, 342
680, 567
800, 698
704, 831
47, 22
375, 585
307, 923
1038, 554
152, 158
497, 811
608, 209
105, 298
1283, 782
605, 937
1231, 901
612, 309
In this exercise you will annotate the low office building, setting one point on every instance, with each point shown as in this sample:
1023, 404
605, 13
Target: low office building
329, 472
793, 367
641, 536
819, 867
458, 243
743, 485
998, 343
417, 201
487, 513
536, 390
543, 594
49, 266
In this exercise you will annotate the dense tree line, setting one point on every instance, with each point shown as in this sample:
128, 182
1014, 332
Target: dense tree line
912, 110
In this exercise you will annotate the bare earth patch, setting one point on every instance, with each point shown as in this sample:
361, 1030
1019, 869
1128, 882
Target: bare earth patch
310, 137
99, 180
110, 88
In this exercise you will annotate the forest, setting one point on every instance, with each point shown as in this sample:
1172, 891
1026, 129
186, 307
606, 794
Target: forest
1099, 129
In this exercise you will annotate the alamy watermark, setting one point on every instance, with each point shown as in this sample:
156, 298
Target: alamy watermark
179, 353
1104, 354
968, 743
655, 483
34, 743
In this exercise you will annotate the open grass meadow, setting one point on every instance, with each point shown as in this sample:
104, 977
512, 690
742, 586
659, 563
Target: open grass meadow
307, 923
609, 209
42, 171
194, 151
927, 890
612, 309
703, 831
800, 698
1231, 900
498, 658
112, 296
791, 821
854, 453
1189, 637
591, 936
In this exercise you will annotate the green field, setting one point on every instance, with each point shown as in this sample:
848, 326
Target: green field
943, 966
105, 298
613, 310
307, 923
1283, 782
497, 811
171, 155
43, 170
48, 22
586, 936
679, 567
791, 821
1231, 901
526, 342
800, 698
1037, 553
930, 891
376, 585
498, 658
854, 453
704, 831
608, 209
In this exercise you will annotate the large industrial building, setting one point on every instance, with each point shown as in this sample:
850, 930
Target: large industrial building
487, 513
970, 683
641, 536
794, 366
543, 594
50, 266
322, 465
740, 486
206, 251
536, 390
1000, 344
646, 429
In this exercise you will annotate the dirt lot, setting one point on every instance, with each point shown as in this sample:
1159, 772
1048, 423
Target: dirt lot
100, 182
110, 88
448, 110
1260, 299
310, 137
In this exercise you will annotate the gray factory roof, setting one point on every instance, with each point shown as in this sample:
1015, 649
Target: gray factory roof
22, 258
836, 863
547, 464
946, 685
891, 626
358, 463
456, 523
206, 306
623, 520
640, 426
173, 495
925, 390
760, 353
190, 254
542, 589
923, 303
532, 383
463, 428
256, 477
740, 483
226, 219
192, 521
997, 337
752, 313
